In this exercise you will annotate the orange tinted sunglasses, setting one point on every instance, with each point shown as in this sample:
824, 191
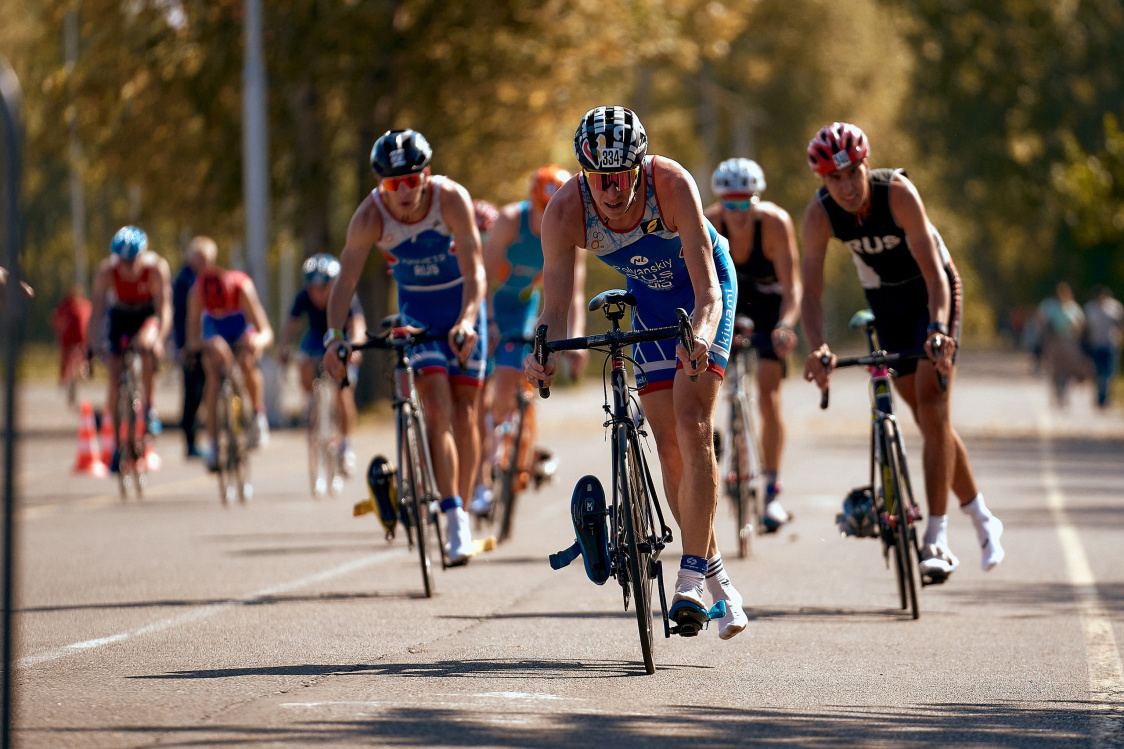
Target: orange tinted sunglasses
409, 181
602, 180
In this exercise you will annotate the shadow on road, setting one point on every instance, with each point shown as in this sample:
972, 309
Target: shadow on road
512, 724
1050, 599
200, 602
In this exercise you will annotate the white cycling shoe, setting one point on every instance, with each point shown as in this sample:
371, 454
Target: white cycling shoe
459, 548
735, 620
988, 534
481, 501
937, 563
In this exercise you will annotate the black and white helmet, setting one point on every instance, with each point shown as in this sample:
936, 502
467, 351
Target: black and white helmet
741, 176
610, 139
400, 152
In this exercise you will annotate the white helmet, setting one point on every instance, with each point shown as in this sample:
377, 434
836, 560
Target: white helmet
737, 175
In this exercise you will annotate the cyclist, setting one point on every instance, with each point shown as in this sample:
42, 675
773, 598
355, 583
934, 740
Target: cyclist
135, 286
672, 257
914, 291
513, 264
763, 249
226, 321
320, 272
424, 225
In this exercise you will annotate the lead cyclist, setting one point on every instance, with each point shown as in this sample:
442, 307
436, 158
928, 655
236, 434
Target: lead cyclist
672, 257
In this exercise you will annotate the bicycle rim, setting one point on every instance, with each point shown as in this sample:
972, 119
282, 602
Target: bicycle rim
741, 468
903, 493
634, 501
412, 466
222, 443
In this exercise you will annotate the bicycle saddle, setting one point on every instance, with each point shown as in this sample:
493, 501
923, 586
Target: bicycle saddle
864, 318
612, 296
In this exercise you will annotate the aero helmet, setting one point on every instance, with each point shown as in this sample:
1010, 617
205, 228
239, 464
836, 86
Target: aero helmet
610, 139
486, 215
546, 181
128, 242
740, 176
320, 268
837, 146
400, 152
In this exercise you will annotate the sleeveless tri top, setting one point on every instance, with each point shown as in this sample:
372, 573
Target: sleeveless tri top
757, 272
878, 245
420, 254
136, 292
522, 272
649, 254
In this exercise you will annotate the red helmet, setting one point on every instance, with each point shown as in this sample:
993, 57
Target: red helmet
546, 181
486, 215
837, 146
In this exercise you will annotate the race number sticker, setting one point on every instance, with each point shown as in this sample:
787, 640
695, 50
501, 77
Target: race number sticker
398, 157
611, 157
841, 159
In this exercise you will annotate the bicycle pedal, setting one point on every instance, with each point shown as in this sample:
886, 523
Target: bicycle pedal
362, 508
934, 579
483, 544
690, 618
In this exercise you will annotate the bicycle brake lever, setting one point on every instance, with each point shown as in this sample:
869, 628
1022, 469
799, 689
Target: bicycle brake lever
343, 354
686, 336
942, 380
540, 356
825, 394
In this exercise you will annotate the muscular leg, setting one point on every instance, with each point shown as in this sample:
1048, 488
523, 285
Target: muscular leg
466, 399
944, 458
146, 340
682, 424
255, 383
436, 394
769, 404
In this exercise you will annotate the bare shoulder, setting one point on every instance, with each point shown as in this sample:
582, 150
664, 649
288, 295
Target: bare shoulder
366, 224
902, 188
565, 213
669, 176
773, 213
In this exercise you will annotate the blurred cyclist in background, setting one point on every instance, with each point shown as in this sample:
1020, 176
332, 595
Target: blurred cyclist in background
135, 286
763, 248
513, 262
320, 272
226, 321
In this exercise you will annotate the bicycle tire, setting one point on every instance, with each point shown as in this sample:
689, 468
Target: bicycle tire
222, 440
411, 462
904, 499
508, 495
741, 489
317, 470
634, 502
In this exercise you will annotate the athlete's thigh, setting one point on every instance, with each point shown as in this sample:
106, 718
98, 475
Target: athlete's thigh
769, 375
694, 402
659, 412
436, 394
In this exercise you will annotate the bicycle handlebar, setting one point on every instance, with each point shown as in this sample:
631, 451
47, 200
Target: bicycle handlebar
881, 358
395, 338
616, 338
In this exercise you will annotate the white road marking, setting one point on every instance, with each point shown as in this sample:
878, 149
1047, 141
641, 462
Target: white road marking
1106, 672
204, 612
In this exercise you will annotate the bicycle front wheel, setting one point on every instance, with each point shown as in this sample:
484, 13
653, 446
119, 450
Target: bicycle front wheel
510, 476
223, 440
741, 485
903, 501
414, 480
636, 509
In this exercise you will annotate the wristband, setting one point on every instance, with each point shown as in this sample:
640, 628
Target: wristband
333, 335
936, 327
782, 325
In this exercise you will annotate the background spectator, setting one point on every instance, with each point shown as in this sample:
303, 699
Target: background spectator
1104, 321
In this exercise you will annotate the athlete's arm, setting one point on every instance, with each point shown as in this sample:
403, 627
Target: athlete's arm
162, 302
288, 333
364, 230
255, 313
909, 213
501, 236
456, 209
816, 231
683, 213
778, 241
563, 233
577, 359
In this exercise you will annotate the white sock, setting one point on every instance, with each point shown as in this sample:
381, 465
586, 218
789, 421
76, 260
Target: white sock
689, 586
718, 582
988, 530
936, 531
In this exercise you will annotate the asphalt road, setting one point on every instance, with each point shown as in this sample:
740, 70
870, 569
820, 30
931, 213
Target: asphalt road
287, 622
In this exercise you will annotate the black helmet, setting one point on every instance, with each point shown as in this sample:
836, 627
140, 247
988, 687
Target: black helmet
610, 139
400, 152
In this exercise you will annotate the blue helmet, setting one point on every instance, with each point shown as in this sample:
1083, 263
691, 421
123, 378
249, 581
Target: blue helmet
128, 242
320, 268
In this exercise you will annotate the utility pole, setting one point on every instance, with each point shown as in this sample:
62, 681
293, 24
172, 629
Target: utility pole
77, 196
255, 150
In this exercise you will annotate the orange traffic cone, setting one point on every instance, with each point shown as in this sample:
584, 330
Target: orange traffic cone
108, 440
88, 461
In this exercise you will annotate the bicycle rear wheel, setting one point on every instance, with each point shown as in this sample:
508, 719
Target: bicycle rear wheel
414, 479
223, 438
740, 484
636, 509
903, 501
318, 473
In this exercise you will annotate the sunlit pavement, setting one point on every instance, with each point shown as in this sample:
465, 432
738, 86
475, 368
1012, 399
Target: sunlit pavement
174, 621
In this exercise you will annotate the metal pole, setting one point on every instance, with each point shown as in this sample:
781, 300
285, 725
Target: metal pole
77, 196
12, 318
255, 148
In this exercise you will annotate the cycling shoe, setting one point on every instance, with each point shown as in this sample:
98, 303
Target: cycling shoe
587, 510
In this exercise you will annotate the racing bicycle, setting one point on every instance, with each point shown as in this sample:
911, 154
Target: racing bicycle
129, 424
325, 466
637, 532
885, 509
742, 460
234, 415
413, 487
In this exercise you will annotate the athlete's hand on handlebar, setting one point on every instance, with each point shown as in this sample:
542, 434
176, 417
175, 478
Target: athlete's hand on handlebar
783, 339
462, 338
695, 364
815, 368
334, 364
538, 375
941, 349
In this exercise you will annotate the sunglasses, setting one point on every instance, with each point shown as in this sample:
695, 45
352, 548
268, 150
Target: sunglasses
409, 181
603, 180
737, 205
